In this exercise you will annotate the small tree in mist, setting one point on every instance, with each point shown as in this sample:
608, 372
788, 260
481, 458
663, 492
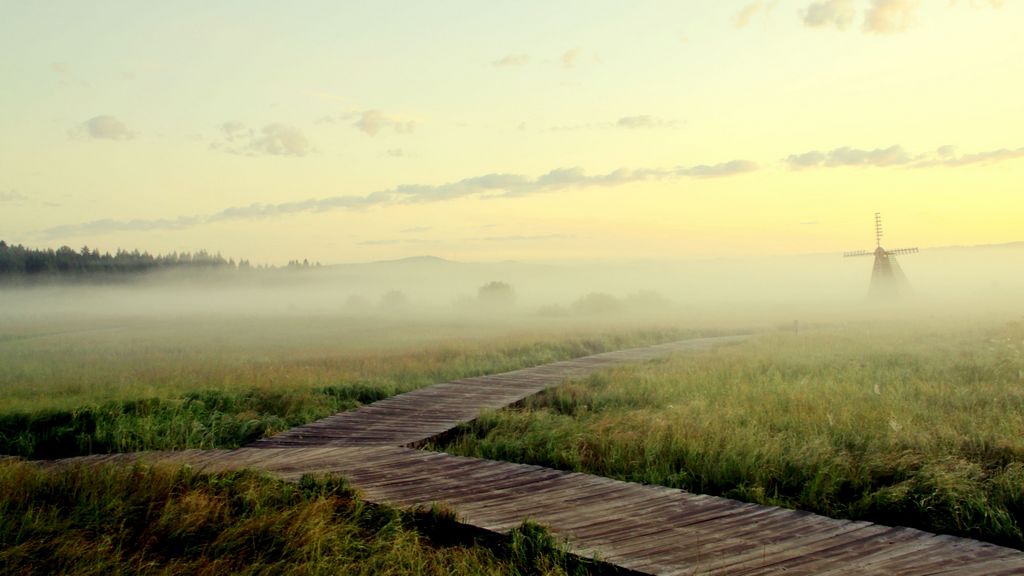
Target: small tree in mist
394, 300
356, 304
496, 295
647, 301
597, 303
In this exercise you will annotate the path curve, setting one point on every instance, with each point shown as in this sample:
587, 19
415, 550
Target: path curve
648, 529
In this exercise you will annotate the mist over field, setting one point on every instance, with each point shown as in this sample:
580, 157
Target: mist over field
958, 281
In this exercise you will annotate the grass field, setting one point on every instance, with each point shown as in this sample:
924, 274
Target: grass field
919, 426
141, 520
70, 388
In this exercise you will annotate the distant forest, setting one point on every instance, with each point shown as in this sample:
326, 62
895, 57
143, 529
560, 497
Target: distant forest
18, 261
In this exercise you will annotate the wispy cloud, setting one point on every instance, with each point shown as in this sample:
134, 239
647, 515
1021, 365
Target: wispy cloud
947, 156
274, 139
743, 17
13, 196
894, 156
752, 9
520, 238
494, 185
390, 242
837, 13
66, 75
103, 127
645, 121
888, 16
637, 122
879, 16
569, 57
371, 122
981, 3
511, 61
731, 168
847, 156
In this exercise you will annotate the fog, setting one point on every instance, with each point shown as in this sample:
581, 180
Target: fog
969, 282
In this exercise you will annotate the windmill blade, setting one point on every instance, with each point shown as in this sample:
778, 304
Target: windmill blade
899, 251
857, 253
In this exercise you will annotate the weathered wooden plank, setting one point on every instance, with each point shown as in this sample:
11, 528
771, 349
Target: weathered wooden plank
645, 528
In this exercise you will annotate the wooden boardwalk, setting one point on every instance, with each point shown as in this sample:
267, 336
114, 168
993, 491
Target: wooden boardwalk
648, 529
410, 418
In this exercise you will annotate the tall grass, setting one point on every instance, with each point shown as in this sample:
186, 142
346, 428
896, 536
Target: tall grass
86, 392
142, 520
921, 428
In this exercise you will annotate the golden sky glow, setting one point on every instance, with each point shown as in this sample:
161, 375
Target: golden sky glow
344, 131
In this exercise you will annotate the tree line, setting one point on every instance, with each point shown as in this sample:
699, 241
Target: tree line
19, 261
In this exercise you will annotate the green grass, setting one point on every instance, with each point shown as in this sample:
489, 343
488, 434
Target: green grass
69, 390
919, 427
152, 520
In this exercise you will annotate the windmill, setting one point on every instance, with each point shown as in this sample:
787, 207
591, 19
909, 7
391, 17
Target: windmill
887, 278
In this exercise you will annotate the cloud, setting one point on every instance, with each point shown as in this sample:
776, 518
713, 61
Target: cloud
569, 57
520, 238
234, 130
638, 122
494, 185
280, 140
847, 156
806, 160
389, 242
107, 225
13, 196
372, 122
981, 3
103, 127
838, 13
746, 13
511, 61
888, 16
946, 156
892, 156
274, 139
645, 121
732, 168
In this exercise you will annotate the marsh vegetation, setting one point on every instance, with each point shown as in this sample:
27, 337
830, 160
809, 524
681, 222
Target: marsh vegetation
71, 387
917, 426
160, 520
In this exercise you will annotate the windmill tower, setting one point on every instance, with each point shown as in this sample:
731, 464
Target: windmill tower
887, 278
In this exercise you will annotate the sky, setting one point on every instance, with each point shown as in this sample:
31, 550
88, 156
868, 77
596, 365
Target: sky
534, 131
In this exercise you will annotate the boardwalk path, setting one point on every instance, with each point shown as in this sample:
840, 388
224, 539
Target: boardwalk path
413, 417
649, 529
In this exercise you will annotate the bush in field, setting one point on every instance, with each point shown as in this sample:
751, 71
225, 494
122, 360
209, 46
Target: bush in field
356, 304
647, 301
162, 520
496, 296
394, 300
597, 303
